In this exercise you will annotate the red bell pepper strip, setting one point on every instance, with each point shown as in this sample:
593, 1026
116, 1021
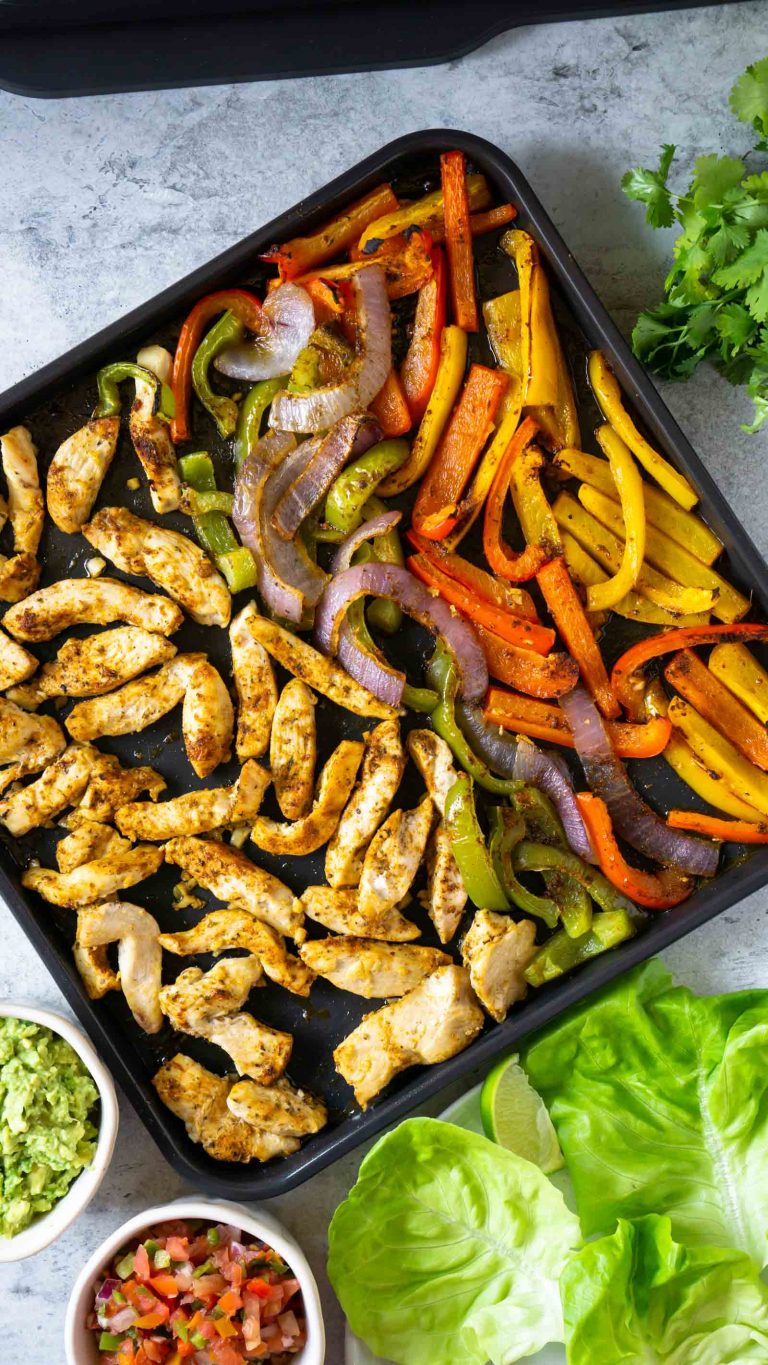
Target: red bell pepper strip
731, 831
571, 620
468, 429
419, 369
542, 720
653, 890
458, 240
391, 408
244, 305
525, 634
496, 590
502, 559
523, 669
627, 680
304, 253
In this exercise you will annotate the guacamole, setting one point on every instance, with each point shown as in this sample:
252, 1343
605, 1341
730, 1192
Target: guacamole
46, 1135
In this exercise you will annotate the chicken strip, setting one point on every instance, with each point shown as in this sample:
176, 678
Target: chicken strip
255, 687
367, 967
27, 742
207, 719
222, 930
434, 761
61, 785
26, 508
338, 910
16, 662
231, 877
111, 787
90, 602
197, 812
323, 675
394, 856
293, 749
135, 705
310, 833
96, 881
278, 1108
383, 767
19, 576
432, 1023
152, 438
96, 665
445, 898
497, 951
196, 997
199, 1099
87, 843
96, 973
77, 471
170, 559
139, 955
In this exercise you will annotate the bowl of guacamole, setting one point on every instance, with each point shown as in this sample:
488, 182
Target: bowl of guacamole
58, 1123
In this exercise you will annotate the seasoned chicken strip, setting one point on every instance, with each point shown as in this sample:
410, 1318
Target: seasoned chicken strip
97, 975
197, 812
112, 786
310, 833
221, 930
88, 842
19, 576
323, 675
199, 1099
61, 785
96, 881
254, 1048
497, 951
207, 719
170, 559
96, 665
338, 910
434, 761
278, 1108
383, 767
16, 662
139, 955
27, 742
90, 602
136, 704
196, 997
365, 966
26, 508
152, 439
230, 876
432, 1023
394, 856
255, 687
77, 471
293, 749
445, 898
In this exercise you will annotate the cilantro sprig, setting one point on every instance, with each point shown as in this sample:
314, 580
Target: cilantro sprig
716, 294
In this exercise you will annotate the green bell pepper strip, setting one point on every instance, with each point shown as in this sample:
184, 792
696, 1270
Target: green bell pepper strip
544, 826
384, 615
532, 857
305, 375
111, 376
250, 417
351, 489
469, 847
507, 831
239, 569
442, 676
224, 411
200, 503
561, 953
421, 699
213, 530
575, 907
197, 470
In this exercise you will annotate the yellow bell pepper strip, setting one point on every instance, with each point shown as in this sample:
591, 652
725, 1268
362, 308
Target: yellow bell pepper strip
518, 566
451, 466
711, 698
223, 409
245, 306
453, 360
568, 615
720, 756
426, 213
561, 953
632, 606
585, 571
503, 323
501, 594
507, 831
743, 675
730, 831
251, 415
629, 485
606, 389
458, 241
469, 848
542, 720
653, 890
627, 676
301, 254
533, 511
683, 761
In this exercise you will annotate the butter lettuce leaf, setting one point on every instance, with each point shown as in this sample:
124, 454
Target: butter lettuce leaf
450, 1249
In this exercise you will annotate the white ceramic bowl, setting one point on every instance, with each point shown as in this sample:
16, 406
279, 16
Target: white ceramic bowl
81, 1344
48, 1226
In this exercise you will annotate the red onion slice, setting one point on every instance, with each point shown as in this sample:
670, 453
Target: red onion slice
288, 559
541, 769
350, 437
324, 407
377, 526
289, 317
632, 818
369, 670
498, 751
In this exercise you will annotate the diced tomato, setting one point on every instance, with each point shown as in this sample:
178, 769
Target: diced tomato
224, 1354
126, 1354
259, 1287
141, 1266
156, 1351
177, 1248
165, 1285
235, 1274
139, 1297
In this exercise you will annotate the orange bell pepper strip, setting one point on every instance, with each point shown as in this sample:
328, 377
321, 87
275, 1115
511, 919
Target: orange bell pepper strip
458, 241
331, 299
301, 254
653, 890
524, 634
715, 827
406, 261
156, 1318
571, 620
518, 567
627, 678
390, 407
483, 584
525, 670
419, 369
543, 720
244, 305
715, 703
468, 429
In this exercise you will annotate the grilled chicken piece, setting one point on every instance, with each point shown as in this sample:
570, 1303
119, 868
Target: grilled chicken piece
197, 812
90, 602
98, 977
170, 559
222, 930
26, 508
139, 955
394, 856
87, 843
293, 749
255, 1049
279, 1108
231, 877
151, 435
135, 705
77, 471
61, 785
255, 687
196, 997
338, 910
434, 761
207, 719
19, 576
96, 881
445, 898
27, 742
323, 675
199, 1099
310, 833
432, 1023
497, 952
365, 966
382, 771
16, 662
111, 787
95, 665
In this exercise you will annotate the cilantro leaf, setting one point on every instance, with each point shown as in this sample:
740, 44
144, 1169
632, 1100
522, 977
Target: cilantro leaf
727, 241
748, 267
749, 99
735, 325
650, 188
713, 177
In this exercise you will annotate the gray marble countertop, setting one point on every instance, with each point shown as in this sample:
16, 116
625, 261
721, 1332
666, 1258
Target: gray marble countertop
105, 201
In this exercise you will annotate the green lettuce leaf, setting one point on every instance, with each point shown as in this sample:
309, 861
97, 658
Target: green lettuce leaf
640, 1296
660, 1102
450, 1249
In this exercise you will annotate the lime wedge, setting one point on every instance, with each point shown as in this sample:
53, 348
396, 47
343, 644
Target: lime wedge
515, 1116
